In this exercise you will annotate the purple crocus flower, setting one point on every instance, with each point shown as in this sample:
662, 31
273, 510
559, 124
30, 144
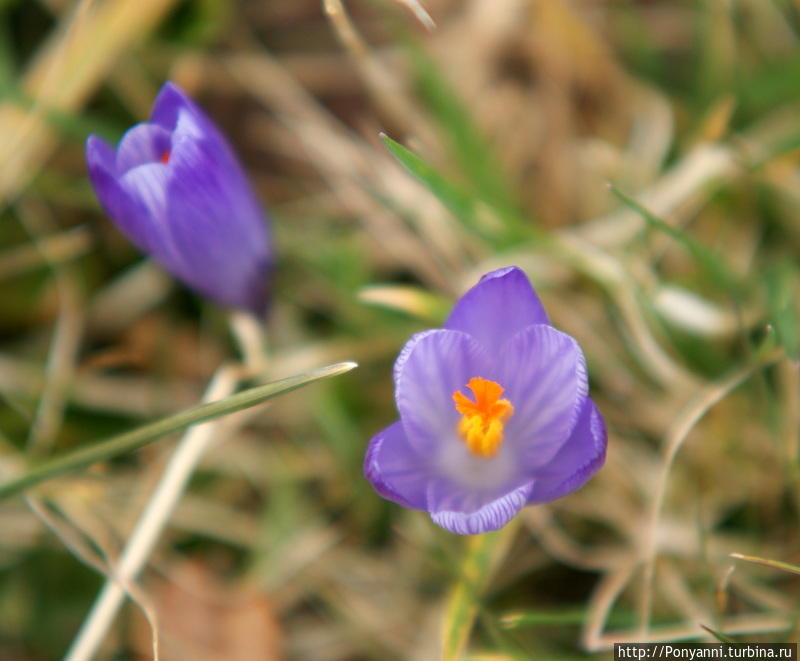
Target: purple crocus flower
174, 187
494, 413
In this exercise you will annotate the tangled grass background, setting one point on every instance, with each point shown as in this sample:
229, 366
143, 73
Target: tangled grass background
680, 280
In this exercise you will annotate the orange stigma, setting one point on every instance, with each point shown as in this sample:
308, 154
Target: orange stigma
164, 158
483, 420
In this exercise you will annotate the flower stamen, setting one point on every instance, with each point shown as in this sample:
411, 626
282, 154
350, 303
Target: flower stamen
164, 158
484, 419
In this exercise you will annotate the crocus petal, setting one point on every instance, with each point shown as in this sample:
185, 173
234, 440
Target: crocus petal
395, 469
491, 516
215, 220
405, 352
172, 104
578, 459
171, 100
143, 217
544, 374
144, 143
101, 161
100, 156
132, 206
438, 364
502, 304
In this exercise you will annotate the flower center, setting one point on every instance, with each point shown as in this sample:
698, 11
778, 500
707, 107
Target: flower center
164, 158
483, 420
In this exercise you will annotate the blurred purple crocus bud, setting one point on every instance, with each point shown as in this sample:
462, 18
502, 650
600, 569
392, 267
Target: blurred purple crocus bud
494, 413
174, 187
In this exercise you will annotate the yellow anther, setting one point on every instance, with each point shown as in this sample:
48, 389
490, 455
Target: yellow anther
483, 420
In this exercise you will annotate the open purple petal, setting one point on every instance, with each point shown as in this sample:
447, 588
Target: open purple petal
491, 516
502, 304
438, 364
578, 459
544, 374
395, 469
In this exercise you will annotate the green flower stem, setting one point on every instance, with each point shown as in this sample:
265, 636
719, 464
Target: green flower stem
482, 556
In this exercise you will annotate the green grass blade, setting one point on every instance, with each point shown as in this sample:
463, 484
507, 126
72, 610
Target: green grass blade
460, 203
573, 617
483, 554
782, 306
541, 618
719, 636
508, 228
468, 147
712, 266
122, 443
774, 564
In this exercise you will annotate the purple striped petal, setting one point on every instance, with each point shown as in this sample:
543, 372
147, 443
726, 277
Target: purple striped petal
501, 305
438, 364
544, 374
577, 460
395, 470
491, 516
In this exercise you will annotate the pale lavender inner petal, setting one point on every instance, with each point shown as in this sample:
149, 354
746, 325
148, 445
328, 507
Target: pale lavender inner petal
146, 186
143, 144
544, 374
439, 363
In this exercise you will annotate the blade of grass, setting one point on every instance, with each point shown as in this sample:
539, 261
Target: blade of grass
521, 619
719, 636
712, 266
456, 200
774, 564
483, 554
539, 618
782, 307
468, 209
145, 434
468, 147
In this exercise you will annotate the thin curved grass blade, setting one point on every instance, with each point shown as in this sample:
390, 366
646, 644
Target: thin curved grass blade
131, 440
774, 564
712, 265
